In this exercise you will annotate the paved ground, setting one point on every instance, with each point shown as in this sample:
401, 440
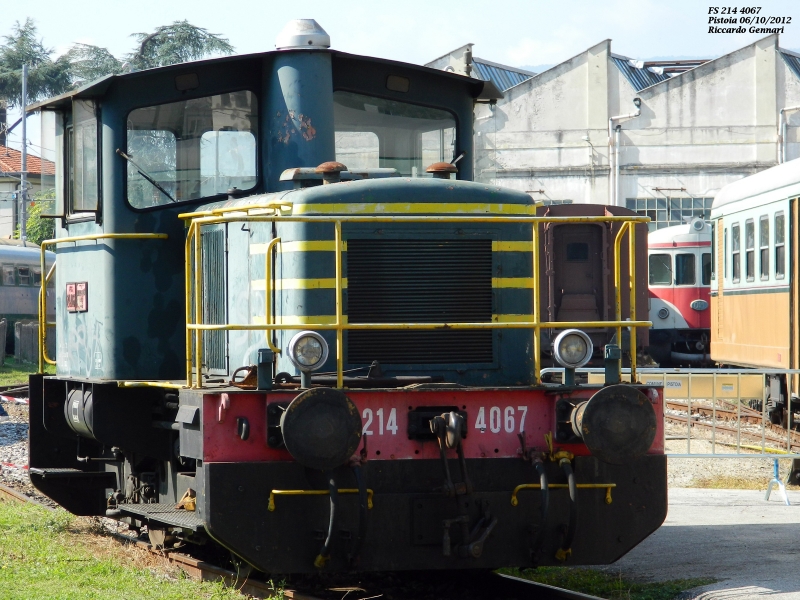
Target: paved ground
750, 546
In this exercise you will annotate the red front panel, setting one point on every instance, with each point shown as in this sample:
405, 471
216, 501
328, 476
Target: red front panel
495, 420
682, 298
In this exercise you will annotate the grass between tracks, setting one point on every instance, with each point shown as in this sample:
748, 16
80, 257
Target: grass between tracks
607, 585
12, 373
51, 554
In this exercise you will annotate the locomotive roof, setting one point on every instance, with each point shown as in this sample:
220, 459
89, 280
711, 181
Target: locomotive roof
775, 183
401, 192
683, 235
99, 87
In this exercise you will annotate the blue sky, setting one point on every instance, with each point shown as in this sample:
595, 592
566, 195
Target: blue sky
514, 32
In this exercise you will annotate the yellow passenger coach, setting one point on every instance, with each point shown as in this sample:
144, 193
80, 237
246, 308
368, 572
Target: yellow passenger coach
754, 289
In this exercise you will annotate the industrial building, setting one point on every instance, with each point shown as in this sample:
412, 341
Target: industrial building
659, 137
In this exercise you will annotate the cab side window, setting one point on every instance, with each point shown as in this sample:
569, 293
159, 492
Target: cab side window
736, 254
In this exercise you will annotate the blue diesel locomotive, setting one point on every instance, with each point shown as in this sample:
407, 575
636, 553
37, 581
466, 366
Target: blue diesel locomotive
319, 366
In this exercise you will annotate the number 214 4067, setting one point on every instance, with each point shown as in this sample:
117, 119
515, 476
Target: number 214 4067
493, 419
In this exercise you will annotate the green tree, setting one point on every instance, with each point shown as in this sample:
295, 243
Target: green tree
176, 43
38, 229
46, 77
92, 62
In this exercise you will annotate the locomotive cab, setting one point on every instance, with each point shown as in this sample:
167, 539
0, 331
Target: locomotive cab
307, 337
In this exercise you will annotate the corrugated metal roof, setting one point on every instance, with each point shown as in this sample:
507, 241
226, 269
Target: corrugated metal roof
638, 78
503, 77
793, 61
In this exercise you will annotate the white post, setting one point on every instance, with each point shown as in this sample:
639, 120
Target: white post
23, 196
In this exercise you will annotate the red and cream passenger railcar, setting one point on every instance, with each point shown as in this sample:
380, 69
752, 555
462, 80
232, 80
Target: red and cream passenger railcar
680, 280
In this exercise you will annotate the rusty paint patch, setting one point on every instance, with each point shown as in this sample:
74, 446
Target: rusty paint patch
296, 123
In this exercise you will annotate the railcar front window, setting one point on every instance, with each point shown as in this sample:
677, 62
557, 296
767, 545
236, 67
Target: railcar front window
750, 243
192, 149
780, 246
706, 264
735, 254
684, 269
375, 132
660, 269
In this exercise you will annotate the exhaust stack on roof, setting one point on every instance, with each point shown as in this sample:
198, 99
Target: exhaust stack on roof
303, 34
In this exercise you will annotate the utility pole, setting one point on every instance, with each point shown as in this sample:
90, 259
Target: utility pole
24, 175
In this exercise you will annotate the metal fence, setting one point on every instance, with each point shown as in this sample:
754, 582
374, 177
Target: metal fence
721, 413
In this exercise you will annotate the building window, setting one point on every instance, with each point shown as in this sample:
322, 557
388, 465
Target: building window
750, 254
684, 269
780, 246
660, 269
735, 258
763, 239
706, 264
666, 212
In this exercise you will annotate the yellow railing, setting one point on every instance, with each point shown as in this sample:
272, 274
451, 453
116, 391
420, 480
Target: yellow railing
258, 213
43, 324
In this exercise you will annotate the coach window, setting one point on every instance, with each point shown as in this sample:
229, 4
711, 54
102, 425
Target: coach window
750, 253
706, 267
763, 245
724, 253
684, 269
8, 276
191, 149
736, 262
24, 275
780, 246
660, 269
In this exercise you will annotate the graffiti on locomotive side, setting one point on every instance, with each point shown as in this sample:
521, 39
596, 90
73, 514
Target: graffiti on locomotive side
84, 347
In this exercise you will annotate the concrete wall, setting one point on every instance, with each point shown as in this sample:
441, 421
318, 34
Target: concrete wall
697, 132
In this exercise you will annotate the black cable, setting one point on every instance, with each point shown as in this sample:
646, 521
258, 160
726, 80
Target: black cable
325, 552
545, 492
363, 511
566, 547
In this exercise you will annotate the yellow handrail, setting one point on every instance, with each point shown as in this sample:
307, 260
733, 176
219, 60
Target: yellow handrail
268, 293
339, 324
273, 493
560, 486
43, 291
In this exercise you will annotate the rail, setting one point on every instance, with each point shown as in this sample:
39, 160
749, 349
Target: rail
261, 214
721, 408
43, 324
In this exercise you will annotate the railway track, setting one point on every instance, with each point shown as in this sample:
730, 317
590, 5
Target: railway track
754, 436
468, 585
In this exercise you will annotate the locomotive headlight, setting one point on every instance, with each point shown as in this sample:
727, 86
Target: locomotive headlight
572, 348
308, 351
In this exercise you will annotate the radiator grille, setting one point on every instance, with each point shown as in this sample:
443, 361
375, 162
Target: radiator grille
213, 241
419, 281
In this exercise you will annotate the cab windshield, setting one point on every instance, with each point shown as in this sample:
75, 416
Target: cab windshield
191, 149
374, 132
